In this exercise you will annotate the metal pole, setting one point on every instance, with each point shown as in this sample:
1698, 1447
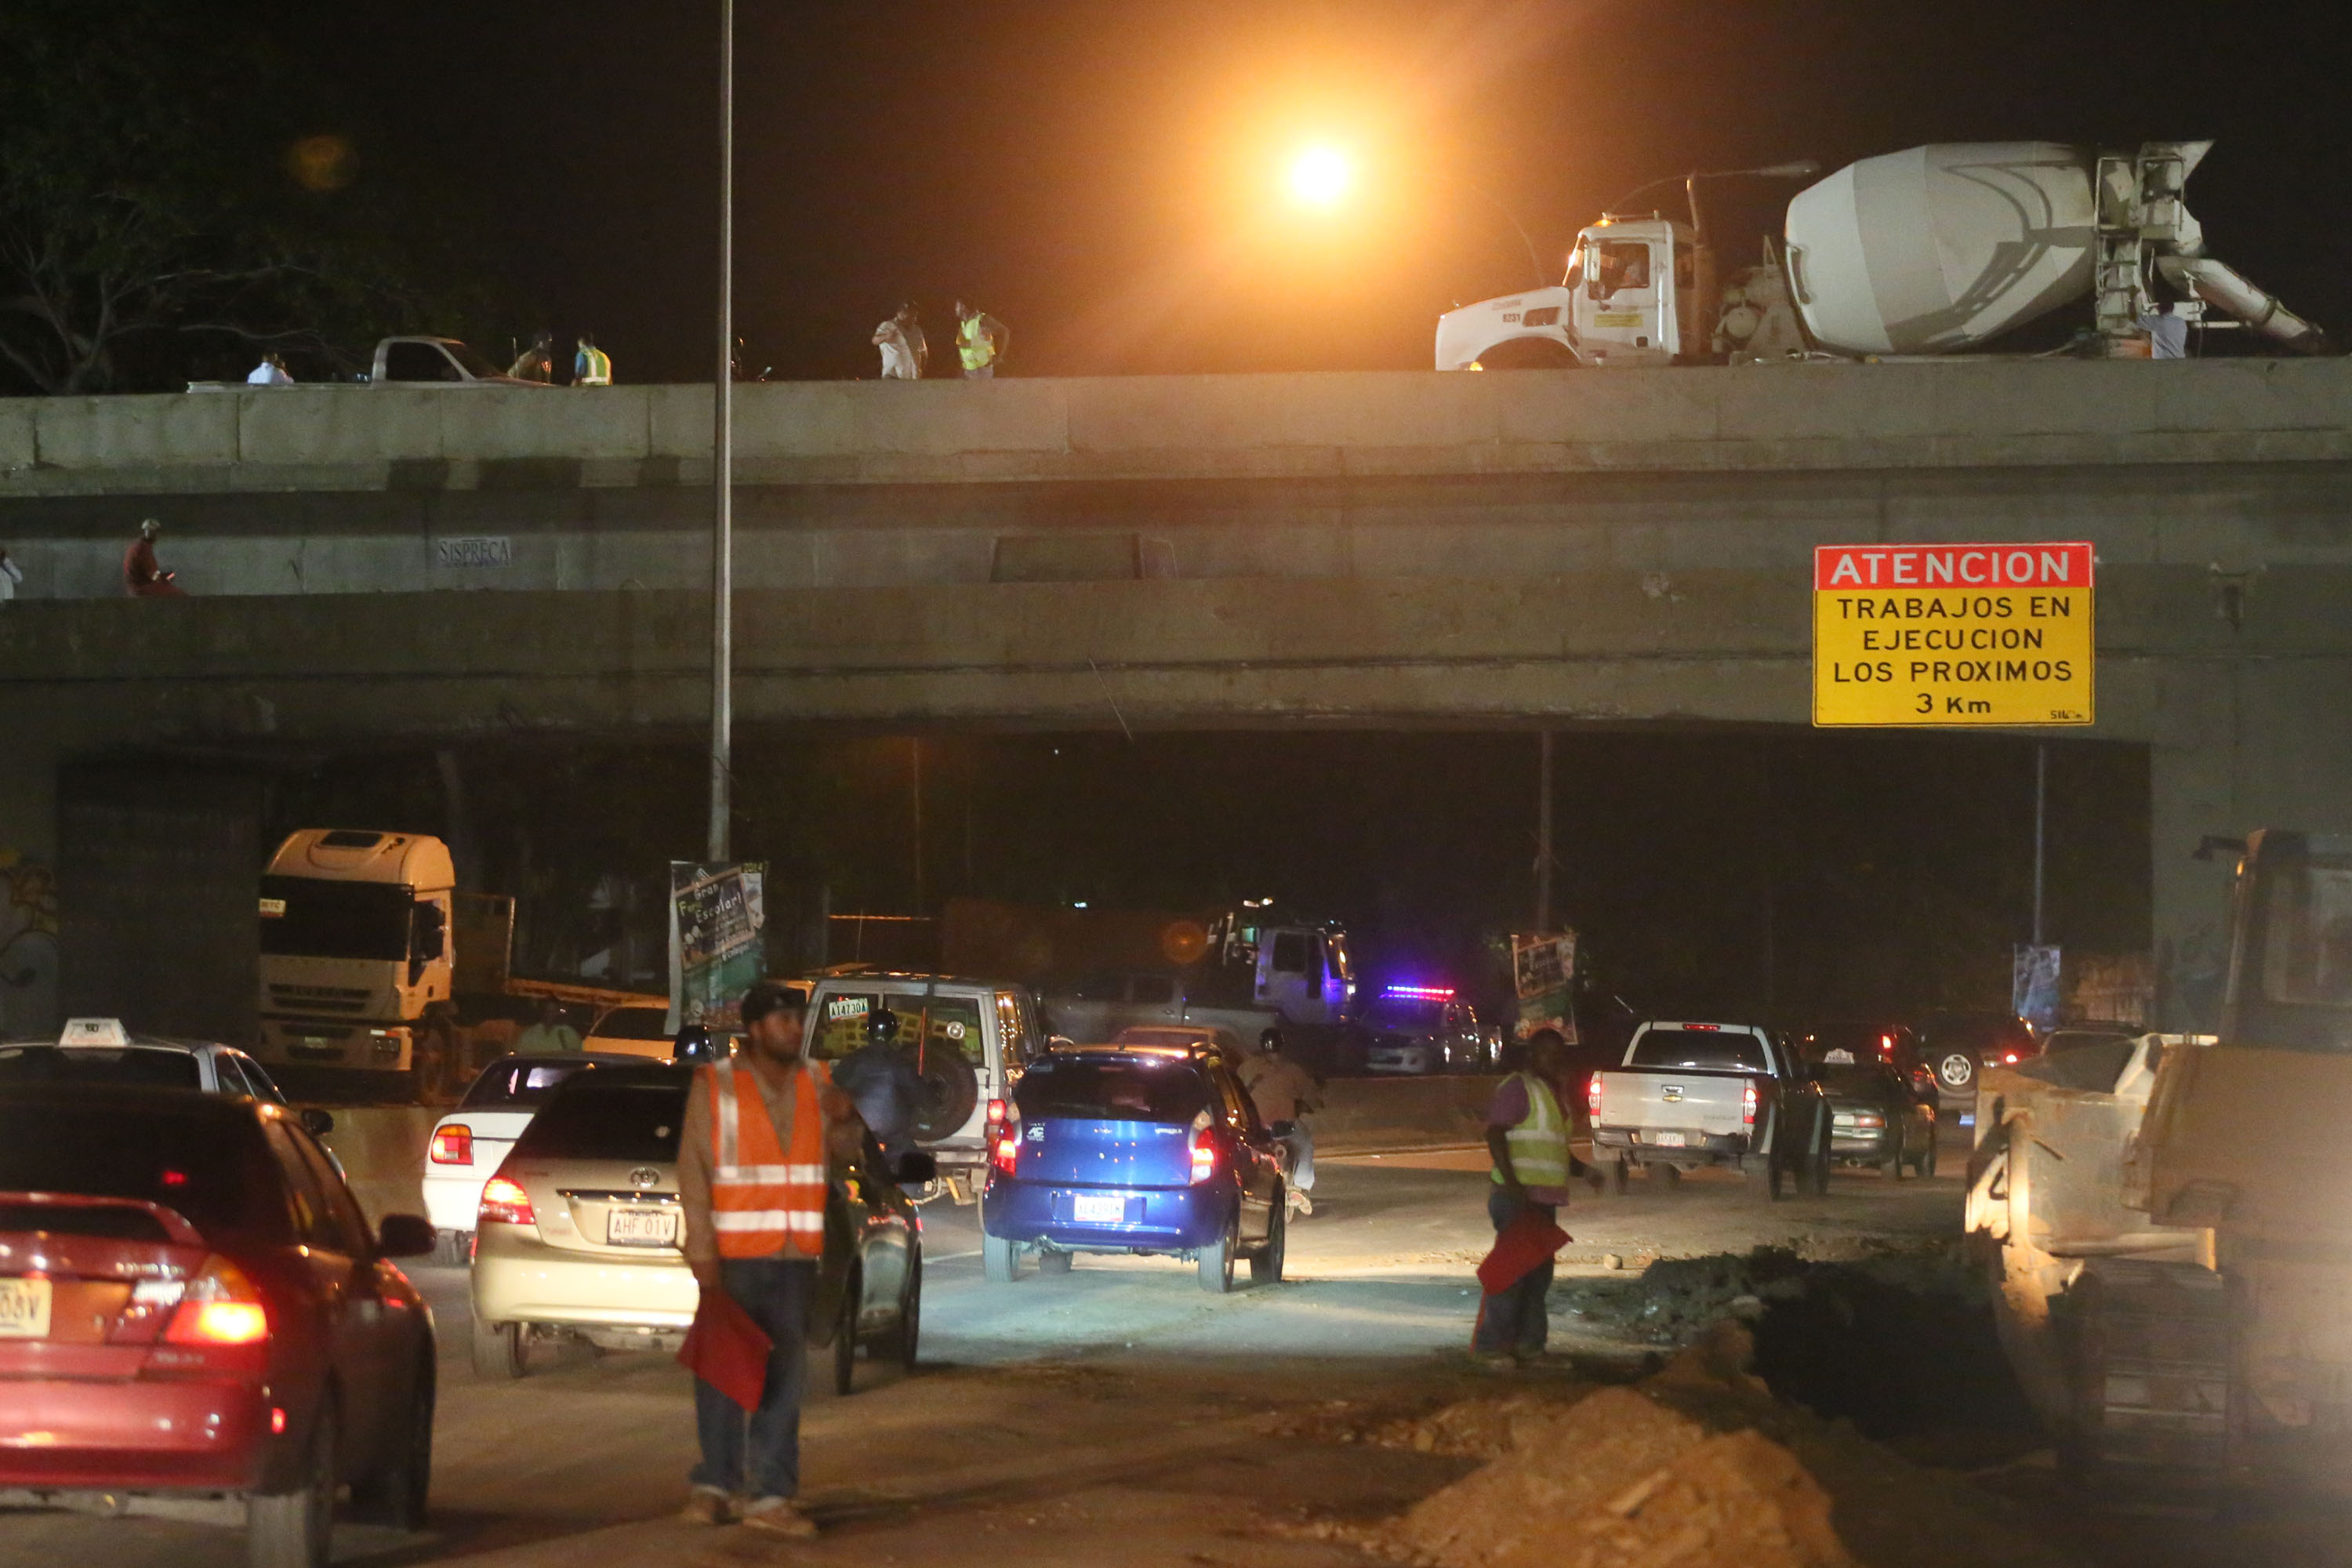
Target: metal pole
722, 474
2041, 807
1543, 831
918, 746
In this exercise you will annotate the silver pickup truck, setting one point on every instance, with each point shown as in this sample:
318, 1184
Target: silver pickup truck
1691, 1095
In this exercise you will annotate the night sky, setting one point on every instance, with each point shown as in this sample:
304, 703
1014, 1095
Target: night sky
1105, 176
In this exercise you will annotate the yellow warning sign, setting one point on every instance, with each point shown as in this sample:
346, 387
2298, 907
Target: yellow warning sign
1952, 634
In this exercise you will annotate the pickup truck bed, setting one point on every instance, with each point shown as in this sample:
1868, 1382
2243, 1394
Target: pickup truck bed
1691, 1095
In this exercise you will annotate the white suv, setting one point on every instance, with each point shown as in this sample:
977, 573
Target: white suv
972, 1039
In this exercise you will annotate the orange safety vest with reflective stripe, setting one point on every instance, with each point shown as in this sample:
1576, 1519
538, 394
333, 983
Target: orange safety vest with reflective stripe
767, 1199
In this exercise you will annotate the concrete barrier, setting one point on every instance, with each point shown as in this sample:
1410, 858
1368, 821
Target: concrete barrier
1373, 1113
383, 1146
383, 1151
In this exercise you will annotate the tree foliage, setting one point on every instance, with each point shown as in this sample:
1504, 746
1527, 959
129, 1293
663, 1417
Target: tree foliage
177, 194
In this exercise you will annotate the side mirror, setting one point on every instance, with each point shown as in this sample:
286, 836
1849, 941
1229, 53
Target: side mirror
914, 1169
315, 1122
404, 1236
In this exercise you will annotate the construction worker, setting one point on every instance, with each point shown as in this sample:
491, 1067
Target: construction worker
550, 1033
1528, 1129
592, 366
536, 362
1284, 1092
757, 1148
981, 341
905, 350
270, 371
141, 577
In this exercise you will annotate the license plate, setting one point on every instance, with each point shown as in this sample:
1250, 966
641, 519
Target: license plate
1097, 1208
1667, 1140
641, 1227
23, 1309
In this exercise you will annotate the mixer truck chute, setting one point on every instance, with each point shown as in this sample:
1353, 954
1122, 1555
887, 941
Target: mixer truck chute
1935, 250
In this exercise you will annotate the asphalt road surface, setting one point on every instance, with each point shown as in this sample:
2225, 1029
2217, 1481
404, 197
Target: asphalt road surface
1114, 1414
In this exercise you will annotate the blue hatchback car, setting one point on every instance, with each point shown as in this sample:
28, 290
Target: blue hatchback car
1145, 1150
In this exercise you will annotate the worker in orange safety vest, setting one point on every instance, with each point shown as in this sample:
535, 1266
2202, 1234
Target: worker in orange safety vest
756, 1151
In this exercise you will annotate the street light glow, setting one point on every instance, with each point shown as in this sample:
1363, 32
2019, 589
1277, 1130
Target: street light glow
1319, 176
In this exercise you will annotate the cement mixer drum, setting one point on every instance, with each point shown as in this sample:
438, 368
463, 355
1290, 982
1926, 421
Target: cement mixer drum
1944, 246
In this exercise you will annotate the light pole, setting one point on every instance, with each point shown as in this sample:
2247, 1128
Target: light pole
722, 471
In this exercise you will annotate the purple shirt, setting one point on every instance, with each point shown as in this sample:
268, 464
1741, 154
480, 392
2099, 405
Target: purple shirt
1508, 1109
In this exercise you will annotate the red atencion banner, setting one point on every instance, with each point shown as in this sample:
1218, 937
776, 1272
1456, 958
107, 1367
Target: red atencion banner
1879, 568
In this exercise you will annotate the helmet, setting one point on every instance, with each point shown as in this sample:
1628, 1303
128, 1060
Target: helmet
694, 1044
881, 1027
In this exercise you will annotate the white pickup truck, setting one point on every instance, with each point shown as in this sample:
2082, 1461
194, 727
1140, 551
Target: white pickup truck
1690, 1095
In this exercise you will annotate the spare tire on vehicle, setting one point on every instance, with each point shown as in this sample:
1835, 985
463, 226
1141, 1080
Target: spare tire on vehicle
951, 1094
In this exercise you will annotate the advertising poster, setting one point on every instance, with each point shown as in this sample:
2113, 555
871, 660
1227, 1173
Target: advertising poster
2033, 985
718, 923
1543, 973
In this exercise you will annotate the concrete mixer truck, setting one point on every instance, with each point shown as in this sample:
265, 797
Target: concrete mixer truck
2174, 1285
1932, 251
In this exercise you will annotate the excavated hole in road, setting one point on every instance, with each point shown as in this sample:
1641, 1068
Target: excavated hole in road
1900, 1342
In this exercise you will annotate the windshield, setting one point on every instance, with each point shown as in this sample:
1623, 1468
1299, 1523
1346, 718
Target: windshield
1861, 1083
1099, 1090
610, 1115
515, 1086
1412, 1012
1719, 1050
309, 917
634, 1023
476, 365
213, 1169
83, 1064
2290, 983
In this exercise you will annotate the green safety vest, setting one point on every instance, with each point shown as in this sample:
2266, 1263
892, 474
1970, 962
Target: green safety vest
1538, 1144
975, 346
600, 367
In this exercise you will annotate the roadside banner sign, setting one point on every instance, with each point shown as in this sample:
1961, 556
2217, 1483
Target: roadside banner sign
1543, 975
2033, 984
718, 926
1953, 634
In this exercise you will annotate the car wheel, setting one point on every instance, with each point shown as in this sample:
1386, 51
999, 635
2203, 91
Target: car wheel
292, 1530
1216, 1264
396, 1492
501, 1351
1955, 1072
1266, 1263
1051, 1262
845, 1335
1621, 1176
908, 1339
1000, 1260
1664, 1177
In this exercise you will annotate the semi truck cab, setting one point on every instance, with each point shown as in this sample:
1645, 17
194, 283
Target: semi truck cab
354, 945
1630, 298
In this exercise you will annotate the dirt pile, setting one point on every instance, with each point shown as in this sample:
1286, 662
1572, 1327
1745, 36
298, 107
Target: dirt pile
1697, 1467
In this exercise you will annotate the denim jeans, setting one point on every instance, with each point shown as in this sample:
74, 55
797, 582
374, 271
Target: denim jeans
1301, 1144
981, 371
776, 1292
1516, 1319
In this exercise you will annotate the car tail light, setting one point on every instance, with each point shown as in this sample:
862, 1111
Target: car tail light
219, 1307
452, 1144
506, 1203
1003, 1136
1592, 1097
1869, 1118
1885, 1044
2009, 1059
1203, 1146
1747, 1105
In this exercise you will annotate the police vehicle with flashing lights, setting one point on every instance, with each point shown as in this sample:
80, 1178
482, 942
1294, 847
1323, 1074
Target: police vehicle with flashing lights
1421, 1029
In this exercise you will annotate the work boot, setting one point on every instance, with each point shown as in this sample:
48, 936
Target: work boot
778, 1515
706, 1505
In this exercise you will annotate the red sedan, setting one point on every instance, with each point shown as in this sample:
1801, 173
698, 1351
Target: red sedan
191, 1303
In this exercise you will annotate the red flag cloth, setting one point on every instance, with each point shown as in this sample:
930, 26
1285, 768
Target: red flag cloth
727, 1350
1524, 1243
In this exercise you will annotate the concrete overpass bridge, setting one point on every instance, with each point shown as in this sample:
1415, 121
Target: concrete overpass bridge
1361, 549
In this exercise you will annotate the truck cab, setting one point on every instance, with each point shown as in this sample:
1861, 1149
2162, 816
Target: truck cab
1631, 297
354, 943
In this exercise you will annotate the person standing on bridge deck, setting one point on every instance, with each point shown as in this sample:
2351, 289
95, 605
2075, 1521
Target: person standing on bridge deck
758, 1147
905, 350
143, 578
981, 341
1528, 1129
10, 575
536, 362
270, 371
592, 366
550, 1032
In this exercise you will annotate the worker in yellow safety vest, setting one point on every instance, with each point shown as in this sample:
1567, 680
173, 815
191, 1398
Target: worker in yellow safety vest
981, 341
756, 1151
1528, 1130
592, 366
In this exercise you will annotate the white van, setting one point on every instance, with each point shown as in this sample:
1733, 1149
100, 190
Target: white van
972, 1039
